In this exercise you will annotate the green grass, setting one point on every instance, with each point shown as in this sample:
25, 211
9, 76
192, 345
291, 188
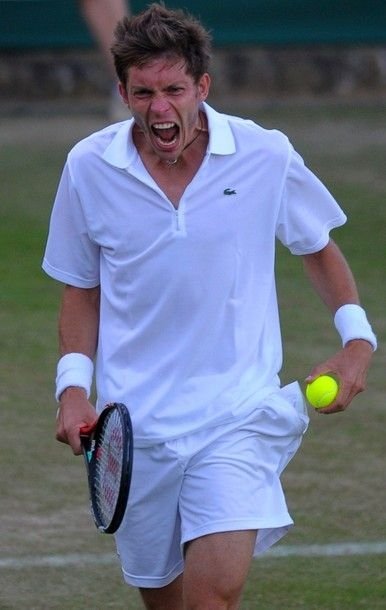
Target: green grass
317, 584
335, 485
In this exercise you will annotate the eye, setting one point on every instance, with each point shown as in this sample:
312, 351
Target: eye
142, 94
175, 90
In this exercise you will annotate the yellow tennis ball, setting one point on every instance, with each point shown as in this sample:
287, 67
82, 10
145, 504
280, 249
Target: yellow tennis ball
322, 391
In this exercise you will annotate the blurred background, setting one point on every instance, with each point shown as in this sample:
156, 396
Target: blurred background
264, 50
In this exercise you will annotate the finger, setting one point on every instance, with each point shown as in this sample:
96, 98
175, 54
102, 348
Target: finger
87, 429
332, 409
340, 404
75, 444
62, 438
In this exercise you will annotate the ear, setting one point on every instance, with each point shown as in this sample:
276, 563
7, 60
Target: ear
123, 93
203, 87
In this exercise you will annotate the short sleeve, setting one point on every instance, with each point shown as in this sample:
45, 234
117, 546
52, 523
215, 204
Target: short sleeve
70, 256
307, 211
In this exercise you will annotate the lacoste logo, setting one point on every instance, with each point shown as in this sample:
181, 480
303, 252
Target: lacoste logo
229, 192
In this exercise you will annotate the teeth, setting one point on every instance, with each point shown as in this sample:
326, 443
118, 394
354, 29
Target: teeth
163, 125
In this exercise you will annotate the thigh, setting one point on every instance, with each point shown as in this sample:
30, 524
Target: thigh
231, 485
164, 598
232, 480
148, 541
216, 568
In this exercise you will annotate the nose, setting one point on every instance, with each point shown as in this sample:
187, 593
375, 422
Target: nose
159, 104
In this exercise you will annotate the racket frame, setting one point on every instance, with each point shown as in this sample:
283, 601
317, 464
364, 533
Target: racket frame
90, 438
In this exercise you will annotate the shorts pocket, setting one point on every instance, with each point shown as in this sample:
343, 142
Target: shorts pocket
282, 413
293, 395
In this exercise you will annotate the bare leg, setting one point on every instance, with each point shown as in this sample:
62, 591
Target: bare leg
101, 17
216, 570
165, 598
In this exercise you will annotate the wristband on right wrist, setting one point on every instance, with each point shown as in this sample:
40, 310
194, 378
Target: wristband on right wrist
74, 370
351, 323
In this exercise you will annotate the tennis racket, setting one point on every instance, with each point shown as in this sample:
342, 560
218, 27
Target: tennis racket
108, 455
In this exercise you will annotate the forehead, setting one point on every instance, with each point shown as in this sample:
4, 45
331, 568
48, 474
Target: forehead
159, 70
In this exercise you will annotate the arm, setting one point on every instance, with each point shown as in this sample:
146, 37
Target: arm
78, 332
333, 281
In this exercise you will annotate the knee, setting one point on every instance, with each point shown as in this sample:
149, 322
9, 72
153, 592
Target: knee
213, 595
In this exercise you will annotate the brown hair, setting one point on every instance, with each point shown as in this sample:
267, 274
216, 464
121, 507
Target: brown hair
160, 31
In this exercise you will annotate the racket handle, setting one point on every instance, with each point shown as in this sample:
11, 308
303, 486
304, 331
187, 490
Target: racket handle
86, 440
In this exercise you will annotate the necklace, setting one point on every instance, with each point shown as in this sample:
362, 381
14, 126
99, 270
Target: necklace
172, 162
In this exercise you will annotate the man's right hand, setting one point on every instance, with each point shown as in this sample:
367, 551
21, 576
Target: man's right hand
75, 411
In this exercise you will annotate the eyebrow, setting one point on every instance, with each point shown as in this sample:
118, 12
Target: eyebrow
174, 84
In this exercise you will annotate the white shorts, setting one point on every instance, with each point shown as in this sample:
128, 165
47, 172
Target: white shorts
217, 480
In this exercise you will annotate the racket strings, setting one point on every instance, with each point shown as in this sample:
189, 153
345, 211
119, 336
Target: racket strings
108, 467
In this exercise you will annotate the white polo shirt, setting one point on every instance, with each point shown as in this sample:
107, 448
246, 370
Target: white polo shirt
189, 330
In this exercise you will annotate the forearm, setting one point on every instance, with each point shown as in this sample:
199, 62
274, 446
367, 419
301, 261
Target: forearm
78, 333
333, 281
79, 321
331, 277
78, 337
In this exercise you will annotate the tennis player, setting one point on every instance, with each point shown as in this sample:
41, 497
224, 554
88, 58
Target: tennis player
163, 232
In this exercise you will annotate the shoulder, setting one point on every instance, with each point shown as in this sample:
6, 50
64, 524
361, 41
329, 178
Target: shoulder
255, 135
245, 138
94, 145
247, 134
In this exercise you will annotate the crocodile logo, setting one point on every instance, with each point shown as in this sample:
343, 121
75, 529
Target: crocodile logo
229, 191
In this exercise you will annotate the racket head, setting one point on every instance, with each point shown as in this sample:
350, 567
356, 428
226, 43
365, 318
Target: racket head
108, 453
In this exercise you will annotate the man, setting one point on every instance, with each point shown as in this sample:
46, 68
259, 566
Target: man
164, 231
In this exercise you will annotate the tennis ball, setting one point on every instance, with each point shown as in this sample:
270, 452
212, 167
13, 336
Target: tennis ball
322, 391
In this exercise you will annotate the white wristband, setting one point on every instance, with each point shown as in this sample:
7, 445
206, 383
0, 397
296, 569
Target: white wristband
74, 370
351, 323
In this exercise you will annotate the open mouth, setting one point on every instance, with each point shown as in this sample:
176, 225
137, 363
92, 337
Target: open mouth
166, 134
